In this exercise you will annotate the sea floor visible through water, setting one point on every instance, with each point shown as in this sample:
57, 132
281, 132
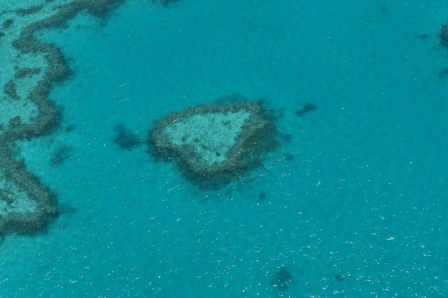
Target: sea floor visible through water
352, 204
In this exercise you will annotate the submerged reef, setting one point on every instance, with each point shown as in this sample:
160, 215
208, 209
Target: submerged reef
61, 155
167, 3
30, 70
281, 279
443, 74
444, 36
10, 90
214, 144
125, 139
308, 107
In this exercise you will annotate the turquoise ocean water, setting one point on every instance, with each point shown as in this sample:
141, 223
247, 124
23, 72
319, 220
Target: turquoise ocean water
354, 203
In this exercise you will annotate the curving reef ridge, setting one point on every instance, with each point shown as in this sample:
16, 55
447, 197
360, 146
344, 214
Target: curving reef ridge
30, 68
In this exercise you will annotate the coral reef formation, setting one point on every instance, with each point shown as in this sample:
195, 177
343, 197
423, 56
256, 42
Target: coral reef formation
167, 3
339, 277
444, 36
281, 279
126, 139
10, 90
62, 154
308, 107
26, 205
214, 144
443, 74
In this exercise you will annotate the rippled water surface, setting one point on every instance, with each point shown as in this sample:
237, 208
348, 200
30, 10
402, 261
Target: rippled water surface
352, 204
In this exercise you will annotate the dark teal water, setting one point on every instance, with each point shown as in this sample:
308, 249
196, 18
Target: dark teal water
355, 204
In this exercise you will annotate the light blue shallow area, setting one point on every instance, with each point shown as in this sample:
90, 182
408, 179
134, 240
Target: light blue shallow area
365, 196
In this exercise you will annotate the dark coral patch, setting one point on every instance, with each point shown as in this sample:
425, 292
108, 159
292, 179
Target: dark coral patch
26, 71
443, 74
339, 277
10, 90
7, 23
289, 156
61, 155
125, 139
70, 128
168, 3
308, 107
423, 36
281, 279
444, 36
28, 11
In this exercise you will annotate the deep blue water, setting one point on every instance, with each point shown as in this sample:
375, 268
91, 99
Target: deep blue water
355, 202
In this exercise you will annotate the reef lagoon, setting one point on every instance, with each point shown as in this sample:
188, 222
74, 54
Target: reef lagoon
193, 148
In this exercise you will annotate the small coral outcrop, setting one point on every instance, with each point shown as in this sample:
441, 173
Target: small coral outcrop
444, 36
